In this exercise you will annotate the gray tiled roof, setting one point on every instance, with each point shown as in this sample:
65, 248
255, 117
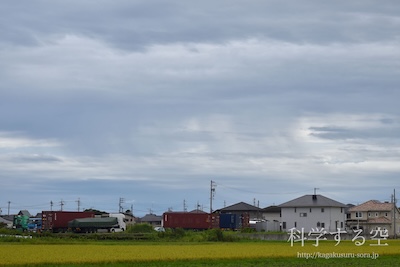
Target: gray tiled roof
272, 209
241, 206
312, 201
151, 218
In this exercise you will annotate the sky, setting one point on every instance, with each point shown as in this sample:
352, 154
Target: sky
150, 101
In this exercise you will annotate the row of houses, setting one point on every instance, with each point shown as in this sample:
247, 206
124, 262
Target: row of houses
310, 212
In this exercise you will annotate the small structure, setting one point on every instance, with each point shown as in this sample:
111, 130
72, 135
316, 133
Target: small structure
271, 219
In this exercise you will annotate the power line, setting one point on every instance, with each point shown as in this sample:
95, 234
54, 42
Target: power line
262, 193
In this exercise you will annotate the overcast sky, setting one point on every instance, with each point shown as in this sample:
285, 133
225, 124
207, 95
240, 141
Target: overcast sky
151, 100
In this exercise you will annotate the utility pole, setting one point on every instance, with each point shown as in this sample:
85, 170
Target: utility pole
121, 201
79, 204
51, 205
184, 206
8, 211
394, 213
212, 194
62, 204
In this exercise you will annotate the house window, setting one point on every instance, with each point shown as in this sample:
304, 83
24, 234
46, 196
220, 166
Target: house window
295, 224
358, 214
323, 225
341, 224
341, 210
369, 214
322, 210
376, 214
295, 209
386, 214
284, 225
318, 224
303, 214
310, 210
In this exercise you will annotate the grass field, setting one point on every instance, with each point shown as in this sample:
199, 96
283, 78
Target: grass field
268, 253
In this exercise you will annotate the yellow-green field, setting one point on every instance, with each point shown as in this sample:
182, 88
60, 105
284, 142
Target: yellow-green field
19, 253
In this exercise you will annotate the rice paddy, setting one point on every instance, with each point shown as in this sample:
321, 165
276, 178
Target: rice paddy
114, 252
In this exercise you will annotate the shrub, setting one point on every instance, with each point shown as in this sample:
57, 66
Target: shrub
140, 228
214, 235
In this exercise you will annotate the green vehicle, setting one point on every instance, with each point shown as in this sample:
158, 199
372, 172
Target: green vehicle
21, 222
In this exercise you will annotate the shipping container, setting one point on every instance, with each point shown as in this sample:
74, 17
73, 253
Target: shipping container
57, 221
187, 220
229, 221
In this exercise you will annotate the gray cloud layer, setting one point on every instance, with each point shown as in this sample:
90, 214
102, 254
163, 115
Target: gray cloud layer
154, 98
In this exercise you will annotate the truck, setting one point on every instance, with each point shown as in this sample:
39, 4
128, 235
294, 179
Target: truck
57, 221
21, 222
35, 225
113, 223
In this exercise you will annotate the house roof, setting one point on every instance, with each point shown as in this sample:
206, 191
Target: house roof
241, 206
373, 205
2, 220
151, 218
312, 201
272, 209
24, 212
197, 211
380, 220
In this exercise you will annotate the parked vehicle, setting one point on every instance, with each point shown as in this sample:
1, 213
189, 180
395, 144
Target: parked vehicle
35, 224
21, 222
113, 223
57, 221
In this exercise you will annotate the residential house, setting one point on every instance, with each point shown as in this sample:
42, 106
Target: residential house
374, 214
6, 223
152, 219
313, 212
24, 213
242, 208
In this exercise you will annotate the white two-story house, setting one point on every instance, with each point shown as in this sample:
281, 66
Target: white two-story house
312, 212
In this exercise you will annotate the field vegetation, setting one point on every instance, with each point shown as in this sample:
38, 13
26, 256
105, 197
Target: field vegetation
145, 247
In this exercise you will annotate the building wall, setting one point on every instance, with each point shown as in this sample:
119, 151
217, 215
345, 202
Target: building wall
271, 216
329, 218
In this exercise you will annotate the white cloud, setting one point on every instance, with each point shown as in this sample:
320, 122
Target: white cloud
15, 140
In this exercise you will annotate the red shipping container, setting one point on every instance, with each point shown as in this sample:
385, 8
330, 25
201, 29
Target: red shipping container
57, 221
188, 220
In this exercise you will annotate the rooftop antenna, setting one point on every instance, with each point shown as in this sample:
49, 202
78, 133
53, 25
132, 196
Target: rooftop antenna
314, 197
